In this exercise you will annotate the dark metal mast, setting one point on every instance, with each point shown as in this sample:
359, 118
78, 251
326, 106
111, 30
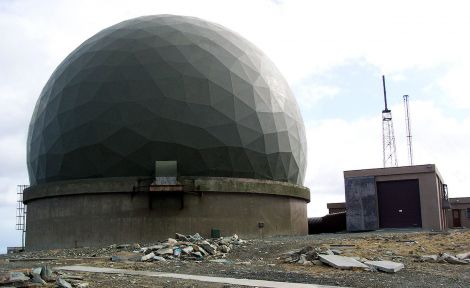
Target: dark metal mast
408, 128
388, 136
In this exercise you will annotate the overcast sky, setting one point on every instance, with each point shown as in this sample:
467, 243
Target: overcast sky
332, 53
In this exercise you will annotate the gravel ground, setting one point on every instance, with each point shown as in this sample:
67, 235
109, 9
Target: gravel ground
259, 259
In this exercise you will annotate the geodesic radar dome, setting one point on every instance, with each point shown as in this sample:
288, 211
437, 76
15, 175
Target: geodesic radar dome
166, 88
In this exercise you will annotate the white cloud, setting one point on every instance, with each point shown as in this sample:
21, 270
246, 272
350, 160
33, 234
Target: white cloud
12, 155
455, 85
440, 139
336, 145
308, 94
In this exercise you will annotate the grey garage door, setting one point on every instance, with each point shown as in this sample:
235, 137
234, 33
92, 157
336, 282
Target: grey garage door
399, 204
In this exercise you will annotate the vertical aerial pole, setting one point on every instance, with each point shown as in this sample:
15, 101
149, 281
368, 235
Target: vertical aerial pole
388, 136
408, 128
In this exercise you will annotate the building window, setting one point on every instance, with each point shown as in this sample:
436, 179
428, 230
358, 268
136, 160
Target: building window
468, 213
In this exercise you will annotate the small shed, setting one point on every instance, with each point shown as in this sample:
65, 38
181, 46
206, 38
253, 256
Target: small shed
336, 207
459, 215
395, 197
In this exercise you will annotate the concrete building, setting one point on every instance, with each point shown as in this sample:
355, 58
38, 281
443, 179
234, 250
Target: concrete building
396, 197
164, 124
459, 214
336, 207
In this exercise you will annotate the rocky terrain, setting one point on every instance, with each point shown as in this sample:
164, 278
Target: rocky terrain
428, 259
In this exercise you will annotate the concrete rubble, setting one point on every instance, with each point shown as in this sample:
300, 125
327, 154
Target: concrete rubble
341, 262
463, 256
40, 276
321, 256
451, 259
385, 266
461, 259
183, 247
61, 283
428, 258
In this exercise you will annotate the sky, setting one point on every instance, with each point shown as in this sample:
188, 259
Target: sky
332, 53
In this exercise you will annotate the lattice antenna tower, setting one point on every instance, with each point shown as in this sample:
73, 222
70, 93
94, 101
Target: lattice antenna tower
389, 148
408, 129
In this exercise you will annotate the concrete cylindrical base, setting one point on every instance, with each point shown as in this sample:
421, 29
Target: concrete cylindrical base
107, 211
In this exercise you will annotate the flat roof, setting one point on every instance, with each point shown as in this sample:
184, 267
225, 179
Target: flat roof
426, 168
460, 200
336, 205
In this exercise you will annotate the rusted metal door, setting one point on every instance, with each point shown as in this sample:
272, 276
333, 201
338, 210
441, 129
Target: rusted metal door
456, 218
399, 204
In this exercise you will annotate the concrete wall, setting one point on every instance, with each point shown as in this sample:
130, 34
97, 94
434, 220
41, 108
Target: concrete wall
96, 219
432, 214
361, 204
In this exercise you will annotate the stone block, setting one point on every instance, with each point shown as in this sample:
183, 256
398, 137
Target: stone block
341, 262
386, 266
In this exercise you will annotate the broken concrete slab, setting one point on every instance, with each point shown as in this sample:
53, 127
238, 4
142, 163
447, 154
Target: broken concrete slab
336, 251
463, 256
208, 247
188, 249
181, 237
195, 237
200, 249
341, 262
164, 251
148, 256
154, 247
428, 258
62, 283
451, 259
171, 241
386, 266
36, 270
224, 249
37, 279
302, 260
18, 277
46, 274
198, 254
12, 277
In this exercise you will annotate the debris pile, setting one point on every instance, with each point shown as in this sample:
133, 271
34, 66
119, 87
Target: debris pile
463, 258
40, 276
183, 247
307, 255
319, 256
